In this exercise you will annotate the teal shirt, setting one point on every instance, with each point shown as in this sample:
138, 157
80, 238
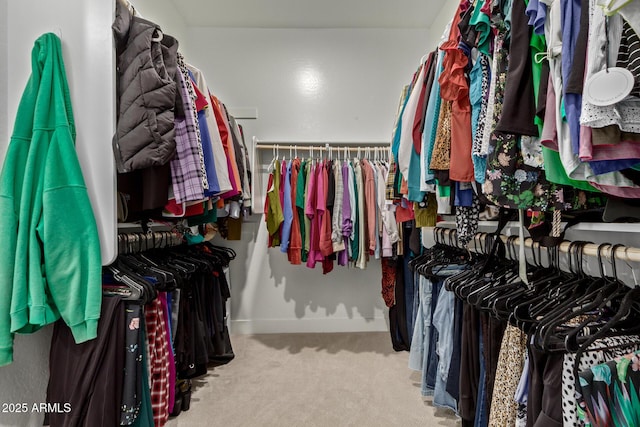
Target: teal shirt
481, 22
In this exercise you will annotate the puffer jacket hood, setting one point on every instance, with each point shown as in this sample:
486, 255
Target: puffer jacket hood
146, 89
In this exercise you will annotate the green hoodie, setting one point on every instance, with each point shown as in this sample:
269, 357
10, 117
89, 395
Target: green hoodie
50, 265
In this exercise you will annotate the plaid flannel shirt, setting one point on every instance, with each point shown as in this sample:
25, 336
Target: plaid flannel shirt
158, 349
182, 66
391, 192
186, 173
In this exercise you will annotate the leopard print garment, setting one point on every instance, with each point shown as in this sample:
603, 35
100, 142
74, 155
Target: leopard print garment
504, 408
441, 155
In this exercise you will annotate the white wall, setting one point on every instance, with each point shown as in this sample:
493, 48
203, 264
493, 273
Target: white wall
84, 28
165, 14
4, 82
318, 85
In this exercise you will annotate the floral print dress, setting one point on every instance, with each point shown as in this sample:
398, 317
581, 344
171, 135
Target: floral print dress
511, 180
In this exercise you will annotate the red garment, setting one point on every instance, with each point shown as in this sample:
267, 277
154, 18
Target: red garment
158, 361
220, 119
418, 122
217, 109
170, 359
455, 87
327, 265
176, 209
201, 100
404, 214
388, 281
404, 187
294, 252
193, 210
486, 7
461, 164
453, 83
325, 244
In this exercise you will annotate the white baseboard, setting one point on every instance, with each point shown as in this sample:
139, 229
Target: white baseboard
290, 326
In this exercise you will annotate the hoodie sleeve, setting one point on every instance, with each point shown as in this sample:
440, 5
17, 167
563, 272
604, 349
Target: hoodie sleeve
72, 260
11, 180
67, 228
8, 227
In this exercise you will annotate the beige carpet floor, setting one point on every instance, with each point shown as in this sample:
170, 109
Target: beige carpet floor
312, 380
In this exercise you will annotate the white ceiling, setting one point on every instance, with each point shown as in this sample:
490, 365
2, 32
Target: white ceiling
310, 13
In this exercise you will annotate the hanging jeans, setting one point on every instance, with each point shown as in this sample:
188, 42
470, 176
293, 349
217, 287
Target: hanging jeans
443, 323
431, 358
420, 341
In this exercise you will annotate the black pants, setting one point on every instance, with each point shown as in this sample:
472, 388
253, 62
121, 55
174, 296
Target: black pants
469, 364
544, 403
88, 376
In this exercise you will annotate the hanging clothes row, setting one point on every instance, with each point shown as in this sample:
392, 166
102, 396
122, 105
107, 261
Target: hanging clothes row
163, 323
179, 153
509, 110
501, 352
323, 210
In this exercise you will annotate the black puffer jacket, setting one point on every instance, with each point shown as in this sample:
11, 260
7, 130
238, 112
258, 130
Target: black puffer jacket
147, 63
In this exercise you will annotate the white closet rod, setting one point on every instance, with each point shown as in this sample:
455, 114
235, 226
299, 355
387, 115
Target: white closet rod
622, 253
318, 147
350, 145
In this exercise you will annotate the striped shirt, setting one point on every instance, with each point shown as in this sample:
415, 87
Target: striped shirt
629, 55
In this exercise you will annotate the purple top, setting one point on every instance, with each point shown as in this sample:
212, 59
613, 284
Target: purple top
186, 170
537, 13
